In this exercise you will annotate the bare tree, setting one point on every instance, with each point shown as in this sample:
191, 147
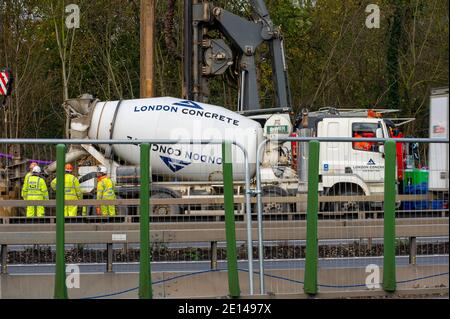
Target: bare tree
65, 40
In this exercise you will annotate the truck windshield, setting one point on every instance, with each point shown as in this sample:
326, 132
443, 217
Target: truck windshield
366, 130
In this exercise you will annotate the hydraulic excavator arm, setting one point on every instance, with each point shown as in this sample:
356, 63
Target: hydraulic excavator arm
206, 57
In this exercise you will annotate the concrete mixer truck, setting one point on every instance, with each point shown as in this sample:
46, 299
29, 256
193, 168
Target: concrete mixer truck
183, 171
178, 170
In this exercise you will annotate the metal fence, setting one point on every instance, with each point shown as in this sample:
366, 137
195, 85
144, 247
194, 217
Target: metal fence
178, 209
358, 220
313, 238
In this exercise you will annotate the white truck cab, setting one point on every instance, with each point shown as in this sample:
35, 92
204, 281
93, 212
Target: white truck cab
358, 163
345, 168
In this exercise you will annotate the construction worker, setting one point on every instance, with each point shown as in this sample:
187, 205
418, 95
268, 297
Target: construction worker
35, 188
72, 190
363, 146
105, 190
369, 135
32, 164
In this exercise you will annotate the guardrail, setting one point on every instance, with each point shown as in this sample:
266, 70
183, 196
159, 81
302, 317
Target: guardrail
310, 230
212, 232
145, 290
388, 199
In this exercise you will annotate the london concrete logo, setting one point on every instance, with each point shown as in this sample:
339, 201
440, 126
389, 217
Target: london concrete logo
174, 164
189, 108
188, 103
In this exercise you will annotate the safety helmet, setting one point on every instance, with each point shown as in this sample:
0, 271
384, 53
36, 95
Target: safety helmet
36, 169
102, 170
33, 164
68, 167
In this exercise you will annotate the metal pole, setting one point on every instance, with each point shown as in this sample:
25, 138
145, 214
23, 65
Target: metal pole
260, 225
60, 271
145, 276
389, 276
311, 222
233, 277
214, 141
249, 225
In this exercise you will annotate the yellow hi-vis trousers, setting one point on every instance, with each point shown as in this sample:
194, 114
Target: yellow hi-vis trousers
105, 190
72, 191
34, 188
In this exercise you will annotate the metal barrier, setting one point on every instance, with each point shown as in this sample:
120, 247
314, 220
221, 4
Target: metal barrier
329, 206
145, 289
296, 239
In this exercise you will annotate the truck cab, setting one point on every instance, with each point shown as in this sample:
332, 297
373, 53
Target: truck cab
358, 163
345, 168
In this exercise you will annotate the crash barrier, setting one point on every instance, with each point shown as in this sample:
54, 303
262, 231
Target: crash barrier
361, 231
145, 290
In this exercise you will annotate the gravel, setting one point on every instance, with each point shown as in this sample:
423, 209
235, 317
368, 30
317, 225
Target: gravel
160, 252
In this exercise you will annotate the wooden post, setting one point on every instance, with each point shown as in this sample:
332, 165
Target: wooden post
109, 253
146, 54
214, 255
412, 250
4, 259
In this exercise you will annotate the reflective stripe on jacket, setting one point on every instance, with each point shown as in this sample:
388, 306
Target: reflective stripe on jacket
105, 188
71, 187
25, 183
35, 188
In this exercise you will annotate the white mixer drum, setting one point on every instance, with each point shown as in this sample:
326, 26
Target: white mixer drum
172, 118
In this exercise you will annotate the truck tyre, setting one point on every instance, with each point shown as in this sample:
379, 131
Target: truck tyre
163, 209
350, 206
274, 208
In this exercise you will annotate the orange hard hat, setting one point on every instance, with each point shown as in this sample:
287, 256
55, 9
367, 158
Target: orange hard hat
373, 114
68, 167
33, 164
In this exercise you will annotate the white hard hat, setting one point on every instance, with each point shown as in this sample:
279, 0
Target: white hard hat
36, 169
102, 169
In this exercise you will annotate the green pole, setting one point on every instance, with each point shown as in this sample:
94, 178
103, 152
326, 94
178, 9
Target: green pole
228, 193
60, 271
145, 275
310, 279
389, 278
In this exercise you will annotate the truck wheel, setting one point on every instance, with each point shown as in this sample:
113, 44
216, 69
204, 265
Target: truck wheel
164, 209
274, 208
350, 206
